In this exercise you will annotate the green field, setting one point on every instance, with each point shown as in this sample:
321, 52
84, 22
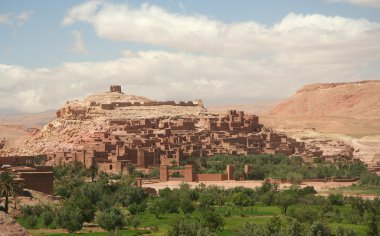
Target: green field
235, 218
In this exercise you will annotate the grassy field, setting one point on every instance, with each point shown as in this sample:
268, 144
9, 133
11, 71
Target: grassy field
235, 218
357, 190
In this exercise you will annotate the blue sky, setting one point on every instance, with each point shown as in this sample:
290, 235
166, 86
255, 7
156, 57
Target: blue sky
43, 41
262, 44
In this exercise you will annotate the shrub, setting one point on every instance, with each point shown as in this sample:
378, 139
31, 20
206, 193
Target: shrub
32, 221
70, 218
47, 217
336, 199
211, 219
37, 210
135, 222
110, 219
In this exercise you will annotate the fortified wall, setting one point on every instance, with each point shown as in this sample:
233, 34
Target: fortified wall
115, 99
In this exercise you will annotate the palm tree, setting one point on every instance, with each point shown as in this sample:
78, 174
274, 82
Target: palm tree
8, 187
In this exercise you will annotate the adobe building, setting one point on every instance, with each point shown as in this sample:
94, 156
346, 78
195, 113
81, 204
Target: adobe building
149, 143
38, 178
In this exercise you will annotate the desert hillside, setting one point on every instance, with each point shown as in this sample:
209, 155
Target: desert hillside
345, 111
344, 108
355, 99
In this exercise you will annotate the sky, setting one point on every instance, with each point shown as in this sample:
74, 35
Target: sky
224, 52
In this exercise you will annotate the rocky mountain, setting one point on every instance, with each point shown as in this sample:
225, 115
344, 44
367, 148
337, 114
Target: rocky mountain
349, 112
354, 99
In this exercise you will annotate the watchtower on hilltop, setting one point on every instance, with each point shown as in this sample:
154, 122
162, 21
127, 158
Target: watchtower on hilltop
115, 89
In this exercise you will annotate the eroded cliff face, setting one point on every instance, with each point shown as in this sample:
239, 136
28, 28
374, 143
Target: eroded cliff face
354, 99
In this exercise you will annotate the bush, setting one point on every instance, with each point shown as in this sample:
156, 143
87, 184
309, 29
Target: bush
37, 210
47, 218
303, 214
345, 232
251, 229
26, 210
336, 199
268, 198
294, 177
369, 179
182, 226
70, 218
110, 219
211, 220
136, 208
319, 229
135, 222
32, 221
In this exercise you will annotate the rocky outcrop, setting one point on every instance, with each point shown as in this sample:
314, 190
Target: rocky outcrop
9, 227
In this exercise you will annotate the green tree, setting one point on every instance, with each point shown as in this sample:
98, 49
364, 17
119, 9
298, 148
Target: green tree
155, 207
268, 198
358, 205
319, 229
94, 171
238, 173
8, 188
273, 227
295, 228
110, 220
70, 218
87, 208
240, 199
285, 199
206, 200
182, 226
211, 219
336, 199
185, 204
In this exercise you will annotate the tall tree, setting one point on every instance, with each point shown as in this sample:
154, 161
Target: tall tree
8, 187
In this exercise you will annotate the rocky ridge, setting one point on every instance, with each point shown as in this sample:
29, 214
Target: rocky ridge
353, 99
348, 112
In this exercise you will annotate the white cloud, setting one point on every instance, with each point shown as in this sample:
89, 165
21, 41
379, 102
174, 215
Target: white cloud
369, 3
163, 75
23, 17
214, 61
17, 19
310, 35
79, 45
81, 12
